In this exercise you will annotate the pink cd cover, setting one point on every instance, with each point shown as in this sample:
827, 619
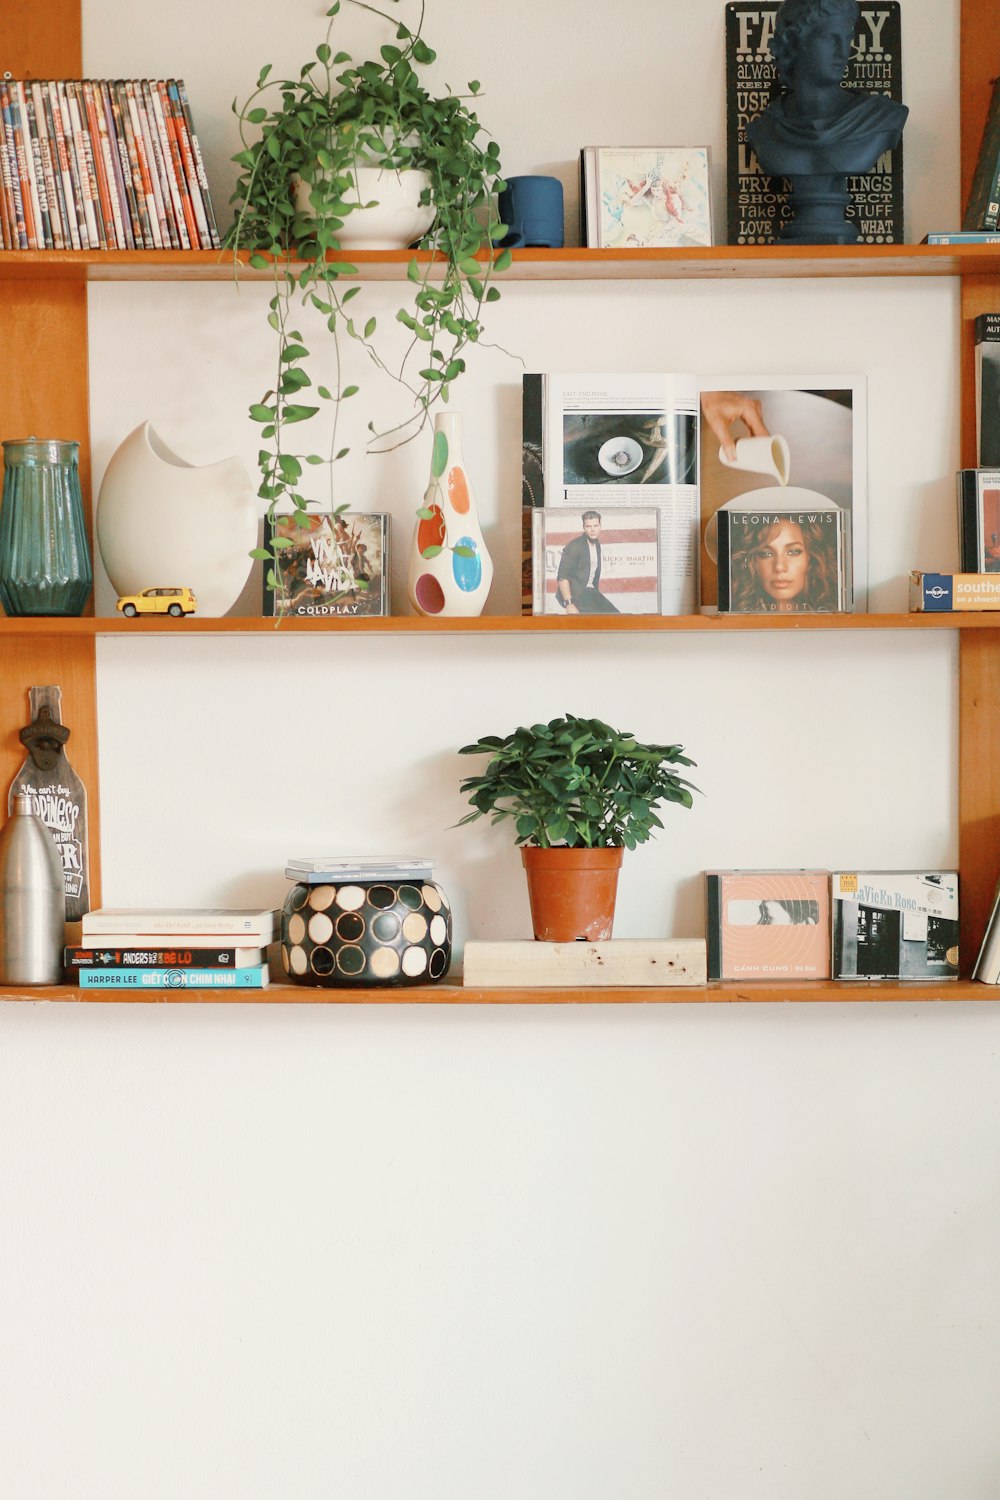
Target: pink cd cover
768, 924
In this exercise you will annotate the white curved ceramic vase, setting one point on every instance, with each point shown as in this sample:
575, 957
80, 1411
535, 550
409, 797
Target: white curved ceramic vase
162, 522
455, 579
394, 217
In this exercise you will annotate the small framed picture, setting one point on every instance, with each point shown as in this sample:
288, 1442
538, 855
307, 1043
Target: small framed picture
595, 561
329, 566
646, 197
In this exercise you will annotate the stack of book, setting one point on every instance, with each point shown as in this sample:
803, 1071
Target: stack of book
99, 164
164, 948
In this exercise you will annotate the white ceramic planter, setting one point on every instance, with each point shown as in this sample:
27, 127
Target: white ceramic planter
163, 522
396, 218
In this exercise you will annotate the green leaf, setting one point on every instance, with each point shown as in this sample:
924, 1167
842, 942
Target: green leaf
503, 260
299, 413
256, 116
260, 413
369, 328
430, 552
349, 390
439, 454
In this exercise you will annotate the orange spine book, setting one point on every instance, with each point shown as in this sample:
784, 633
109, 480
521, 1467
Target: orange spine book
190, 169
8, 216
154, 106
47, 162
39, 196
154, 155
11, 178
177, 157
146, 232
85, 159
60, 165
129, 165
104, 150
100, 166
144, 174
213, 242
61, 107
21, 153
111, 146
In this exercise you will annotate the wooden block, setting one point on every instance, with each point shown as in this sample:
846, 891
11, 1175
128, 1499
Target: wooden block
629, 961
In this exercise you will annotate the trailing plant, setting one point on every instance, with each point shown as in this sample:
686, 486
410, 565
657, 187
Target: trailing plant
576, 782
317, 128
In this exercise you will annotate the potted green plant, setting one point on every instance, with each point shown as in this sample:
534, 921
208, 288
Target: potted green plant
580, 793
309, 147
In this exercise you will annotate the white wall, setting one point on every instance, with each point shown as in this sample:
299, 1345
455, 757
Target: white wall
312, 1251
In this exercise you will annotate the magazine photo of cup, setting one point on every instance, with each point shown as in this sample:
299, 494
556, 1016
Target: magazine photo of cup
761, 455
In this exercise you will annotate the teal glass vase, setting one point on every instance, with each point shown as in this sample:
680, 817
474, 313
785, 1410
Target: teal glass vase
45, 566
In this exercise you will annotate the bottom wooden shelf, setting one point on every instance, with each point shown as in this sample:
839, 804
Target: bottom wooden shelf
456, 994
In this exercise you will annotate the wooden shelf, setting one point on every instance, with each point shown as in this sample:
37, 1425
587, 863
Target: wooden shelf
574, 264
88, 627
811, 991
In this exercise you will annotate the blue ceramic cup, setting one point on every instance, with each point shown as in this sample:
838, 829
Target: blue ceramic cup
532, 209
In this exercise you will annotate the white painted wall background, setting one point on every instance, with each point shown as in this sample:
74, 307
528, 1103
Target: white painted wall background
747, 1254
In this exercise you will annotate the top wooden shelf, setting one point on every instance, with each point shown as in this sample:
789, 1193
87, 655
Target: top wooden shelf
196, 625
713, 261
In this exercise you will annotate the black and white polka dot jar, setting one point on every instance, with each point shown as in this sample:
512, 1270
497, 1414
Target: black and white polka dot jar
366, 933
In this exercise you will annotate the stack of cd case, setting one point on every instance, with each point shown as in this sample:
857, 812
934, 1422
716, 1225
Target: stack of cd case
338, 869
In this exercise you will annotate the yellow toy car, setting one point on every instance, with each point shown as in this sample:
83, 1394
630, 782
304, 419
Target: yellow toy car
158, 602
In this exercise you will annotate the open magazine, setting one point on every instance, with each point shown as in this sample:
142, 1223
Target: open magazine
592, 443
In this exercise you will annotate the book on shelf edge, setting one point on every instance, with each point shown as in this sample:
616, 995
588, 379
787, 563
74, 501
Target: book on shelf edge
986, 331
962, 237
894, 924
768, 924
134, 925
181, 956
947, 592
987, 965
255, 978
983, 207
757, 205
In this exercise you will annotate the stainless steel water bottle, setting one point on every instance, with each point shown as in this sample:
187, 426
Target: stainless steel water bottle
32, 900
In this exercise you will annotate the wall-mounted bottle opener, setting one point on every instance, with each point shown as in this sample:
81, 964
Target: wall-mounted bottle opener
57, 794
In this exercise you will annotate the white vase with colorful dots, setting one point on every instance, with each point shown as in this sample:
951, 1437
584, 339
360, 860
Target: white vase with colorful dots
450, 568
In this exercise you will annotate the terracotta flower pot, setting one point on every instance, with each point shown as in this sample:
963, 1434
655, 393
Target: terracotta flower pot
572, 892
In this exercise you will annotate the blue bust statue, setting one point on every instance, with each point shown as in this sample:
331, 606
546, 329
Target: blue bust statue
816, 132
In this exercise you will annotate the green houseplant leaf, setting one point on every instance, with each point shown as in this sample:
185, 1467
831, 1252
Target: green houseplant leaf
575, 782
